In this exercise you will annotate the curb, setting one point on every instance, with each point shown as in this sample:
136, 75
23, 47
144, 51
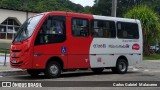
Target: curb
13, 72
153, 60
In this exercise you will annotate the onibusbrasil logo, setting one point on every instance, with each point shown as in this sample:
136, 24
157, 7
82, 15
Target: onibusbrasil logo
21, 84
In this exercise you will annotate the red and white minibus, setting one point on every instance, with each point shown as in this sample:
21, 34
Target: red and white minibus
57, 41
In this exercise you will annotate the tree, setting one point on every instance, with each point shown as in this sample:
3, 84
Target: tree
10, 3
87, 9
103, 7
150, 24
42, 5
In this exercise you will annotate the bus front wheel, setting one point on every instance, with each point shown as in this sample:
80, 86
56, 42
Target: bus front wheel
121, 67
53, 70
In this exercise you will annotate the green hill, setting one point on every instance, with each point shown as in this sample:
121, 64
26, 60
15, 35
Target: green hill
42, 5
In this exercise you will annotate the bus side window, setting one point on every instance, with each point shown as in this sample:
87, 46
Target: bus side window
127, 30
80, 27
103, 29
52, 31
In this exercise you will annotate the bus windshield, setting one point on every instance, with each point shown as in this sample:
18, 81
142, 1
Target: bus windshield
27, 29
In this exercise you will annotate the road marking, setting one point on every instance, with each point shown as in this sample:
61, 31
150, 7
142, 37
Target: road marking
153, 60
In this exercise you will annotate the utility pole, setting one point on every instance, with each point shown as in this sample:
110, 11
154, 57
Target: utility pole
97, 1
114, 8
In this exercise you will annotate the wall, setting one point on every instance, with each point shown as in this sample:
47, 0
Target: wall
20, 15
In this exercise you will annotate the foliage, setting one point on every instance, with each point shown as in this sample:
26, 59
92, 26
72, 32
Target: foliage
150, 24
103, 7
2, 50
152, 57
43, 5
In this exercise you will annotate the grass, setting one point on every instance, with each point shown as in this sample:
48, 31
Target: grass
152, 57
4, 44
5, 41
4, 50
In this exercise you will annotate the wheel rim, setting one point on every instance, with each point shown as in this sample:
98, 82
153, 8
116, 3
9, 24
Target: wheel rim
54, 69
122, 66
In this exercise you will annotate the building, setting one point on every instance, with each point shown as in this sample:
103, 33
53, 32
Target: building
10, 21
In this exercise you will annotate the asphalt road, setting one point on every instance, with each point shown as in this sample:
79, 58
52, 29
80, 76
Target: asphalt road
146, 71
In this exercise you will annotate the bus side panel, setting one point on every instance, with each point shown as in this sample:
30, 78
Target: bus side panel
105, 52
103, 60
140, 40
101, 55
78, 61
46, 52
102, 48
78, 47
78, 52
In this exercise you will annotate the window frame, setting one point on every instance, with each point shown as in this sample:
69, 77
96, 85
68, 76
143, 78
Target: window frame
88, 26
91, 22
127, 23
64, 32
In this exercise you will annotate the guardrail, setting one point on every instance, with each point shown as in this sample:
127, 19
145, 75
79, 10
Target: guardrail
5, 51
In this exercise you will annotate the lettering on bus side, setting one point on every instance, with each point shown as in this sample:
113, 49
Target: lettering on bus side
119, 46
130, 40
99, 45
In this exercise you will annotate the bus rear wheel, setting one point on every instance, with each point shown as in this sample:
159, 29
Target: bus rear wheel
121, 67
53, 70
97, 70
33, 73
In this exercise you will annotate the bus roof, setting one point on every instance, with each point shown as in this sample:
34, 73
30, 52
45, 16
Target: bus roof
94, 16
115, 18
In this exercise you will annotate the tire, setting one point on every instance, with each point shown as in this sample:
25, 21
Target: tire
53, 70
33, 73
97, 70
121, 67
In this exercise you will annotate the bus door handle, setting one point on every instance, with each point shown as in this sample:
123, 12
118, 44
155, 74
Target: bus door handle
38, 54
93, 54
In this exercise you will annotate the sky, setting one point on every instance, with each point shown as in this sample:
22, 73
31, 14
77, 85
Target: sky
84, 2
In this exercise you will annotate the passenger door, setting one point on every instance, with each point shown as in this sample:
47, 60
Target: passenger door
50, 41
79, 44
